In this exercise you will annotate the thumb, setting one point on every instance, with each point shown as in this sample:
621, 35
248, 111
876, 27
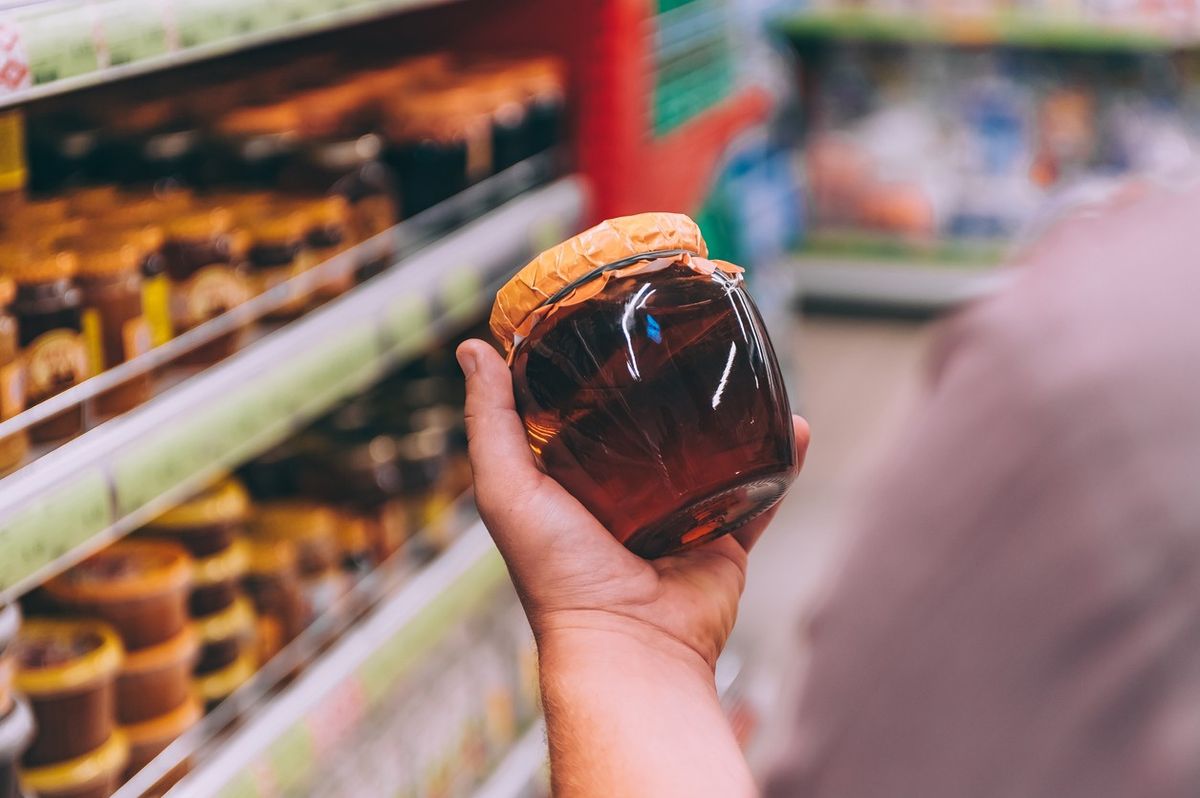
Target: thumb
501, 460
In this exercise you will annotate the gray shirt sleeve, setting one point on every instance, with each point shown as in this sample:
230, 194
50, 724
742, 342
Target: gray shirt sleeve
1018, 613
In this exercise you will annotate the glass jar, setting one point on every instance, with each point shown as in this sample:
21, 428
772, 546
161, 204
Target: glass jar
439, 143
205, 261
327, 236
13, 448
647, 383
339, 155
49, 309
255, 144
276, 256
114, 322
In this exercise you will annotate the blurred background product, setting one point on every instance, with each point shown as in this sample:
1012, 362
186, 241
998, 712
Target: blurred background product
239, 241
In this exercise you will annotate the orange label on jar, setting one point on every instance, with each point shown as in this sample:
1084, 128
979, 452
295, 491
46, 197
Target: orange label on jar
136, 337
55, 361
156, 303
12, 389
207, 294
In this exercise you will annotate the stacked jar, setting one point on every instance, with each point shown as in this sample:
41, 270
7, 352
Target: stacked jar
68, 670
211, 525
141, 588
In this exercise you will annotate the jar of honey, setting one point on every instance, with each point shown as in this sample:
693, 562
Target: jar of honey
114, 322
13, 448
339, 155
277, 255
328, 234
49, 309
256, 143
439, 143
647, 383
204, 258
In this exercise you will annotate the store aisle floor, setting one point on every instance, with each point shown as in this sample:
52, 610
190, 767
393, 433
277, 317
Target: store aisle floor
857, 377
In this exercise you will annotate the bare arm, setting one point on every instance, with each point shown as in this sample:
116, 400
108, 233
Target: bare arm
628, 647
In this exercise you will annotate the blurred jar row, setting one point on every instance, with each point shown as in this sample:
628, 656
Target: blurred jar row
125, 651
391, 138
157, 217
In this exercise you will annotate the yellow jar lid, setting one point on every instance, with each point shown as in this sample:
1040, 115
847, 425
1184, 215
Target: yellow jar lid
106, 760
236, 619
180, 648
165, 728
580, 267
219, 684
225, 502
99, 662
226, 566
296, 519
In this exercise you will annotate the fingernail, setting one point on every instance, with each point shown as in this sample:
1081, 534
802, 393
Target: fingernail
466, 361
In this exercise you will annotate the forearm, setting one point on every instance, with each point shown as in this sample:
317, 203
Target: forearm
629, 717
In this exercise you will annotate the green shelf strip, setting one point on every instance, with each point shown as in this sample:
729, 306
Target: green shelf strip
1013, 31
70, 44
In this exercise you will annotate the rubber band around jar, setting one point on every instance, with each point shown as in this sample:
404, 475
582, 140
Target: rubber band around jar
547, 306
624, 263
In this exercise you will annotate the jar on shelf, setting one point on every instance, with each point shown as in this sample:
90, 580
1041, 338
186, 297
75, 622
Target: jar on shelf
158, 679
543, 81
277, 254
114, 321
339, 155
647, 383
68, 670
150, 737
225, 636
208, 523
312, 528
427, 496
95, 774
49, 310
205, 261
255, 144
13, 448
141, 587
439, 143
217, 580
360, 475
274, 585
327, 235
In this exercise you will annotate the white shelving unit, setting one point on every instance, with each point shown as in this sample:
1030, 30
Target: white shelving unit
122, 473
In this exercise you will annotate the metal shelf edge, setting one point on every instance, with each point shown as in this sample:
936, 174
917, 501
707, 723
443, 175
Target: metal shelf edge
316, 22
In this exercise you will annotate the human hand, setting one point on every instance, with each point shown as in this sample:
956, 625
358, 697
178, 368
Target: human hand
575, 580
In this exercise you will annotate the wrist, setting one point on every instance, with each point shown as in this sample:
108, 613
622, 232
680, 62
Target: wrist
581, 640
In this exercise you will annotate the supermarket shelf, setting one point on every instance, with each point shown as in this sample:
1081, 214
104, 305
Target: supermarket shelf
522, 770
894, 286
276, 750
122, 473
966, 30
63, 45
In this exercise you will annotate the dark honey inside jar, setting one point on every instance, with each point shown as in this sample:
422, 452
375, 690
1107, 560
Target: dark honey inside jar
657, 400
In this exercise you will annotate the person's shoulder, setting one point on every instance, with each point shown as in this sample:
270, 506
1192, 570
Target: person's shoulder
1104, 306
